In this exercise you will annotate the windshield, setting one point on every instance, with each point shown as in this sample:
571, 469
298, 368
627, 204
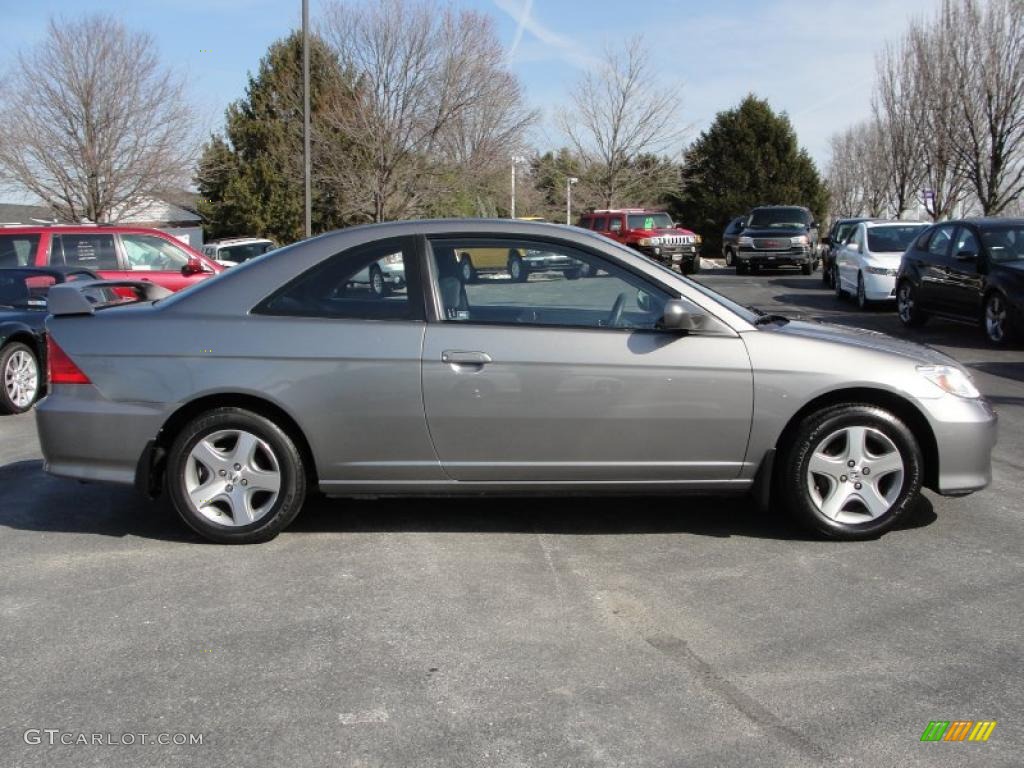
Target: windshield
650, 221
892, 239
1004, 242
780, 217
243, 252
844, 231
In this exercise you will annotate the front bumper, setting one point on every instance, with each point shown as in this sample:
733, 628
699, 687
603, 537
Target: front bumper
671, 255
794, 257
879, 287
965, 434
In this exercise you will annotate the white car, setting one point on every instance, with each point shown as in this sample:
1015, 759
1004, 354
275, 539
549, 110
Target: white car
230, 252
867, 263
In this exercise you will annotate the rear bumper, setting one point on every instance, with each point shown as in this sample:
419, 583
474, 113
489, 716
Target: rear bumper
965, 434
85, 436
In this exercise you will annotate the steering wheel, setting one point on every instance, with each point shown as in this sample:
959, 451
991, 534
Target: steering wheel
615, 316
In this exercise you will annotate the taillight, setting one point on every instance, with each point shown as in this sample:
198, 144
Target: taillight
61, 369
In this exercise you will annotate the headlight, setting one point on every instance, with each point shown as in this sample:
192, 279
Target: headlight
647, 241
799, 240
950, 379
698, 239
747, 242
880, 271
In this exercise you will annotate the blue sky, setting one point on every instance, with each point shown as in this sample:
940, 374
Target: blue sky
811, 58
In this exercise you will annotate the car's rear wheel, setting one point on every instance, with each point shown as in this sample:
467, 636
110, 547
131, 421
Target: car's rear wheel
235, 477
907, 308
851, 471
826, 275
19, 368
742, 268
997, 319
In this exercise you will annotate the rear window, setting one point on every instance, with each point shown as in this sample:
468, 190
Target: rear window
243, 252
18, 250
1004, 242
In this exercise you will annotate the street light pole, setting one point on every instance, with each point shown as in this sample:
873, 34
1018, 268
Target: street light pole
305, 118
515, 159
568, 198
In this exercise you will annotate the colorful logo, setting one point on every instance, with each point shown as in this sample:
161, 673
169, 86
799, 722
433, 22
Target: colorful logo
958, 730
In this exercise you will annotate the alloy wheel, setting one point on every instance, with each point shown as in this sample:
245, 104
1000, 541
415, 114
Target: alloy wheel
995, 318
855, 475
905, 303
232, 477
21, 378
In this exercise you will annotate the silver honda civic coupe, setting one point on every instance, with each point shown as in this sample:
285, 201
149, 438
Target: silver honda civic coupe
239, 396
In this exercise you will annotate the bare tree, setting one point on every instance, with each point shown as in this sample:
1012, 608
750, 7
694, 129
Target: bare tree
841, 179
92, 123
618, 114
988, 51
893, 110
431, 86
933, 102
857, 173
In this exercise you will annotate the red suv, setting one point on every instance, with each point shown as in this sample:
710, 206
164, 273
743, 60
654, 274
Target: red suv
653, 233
115, 253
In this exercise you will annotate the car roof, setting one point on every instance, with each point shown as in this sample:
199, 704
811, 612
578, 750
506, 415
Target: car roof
773, 207
1016, 222
238, 240
868, 223
78, 229
605, 211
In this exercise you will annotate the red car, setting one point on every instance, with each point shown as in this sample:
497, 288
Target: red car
653, 233
115, 253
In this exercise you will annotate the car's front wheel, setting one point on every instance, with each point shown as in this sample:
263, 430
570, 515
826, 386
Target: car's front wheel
807, 268
851, 471
235, 477
377, 284
862, 296
19, 368
907, 308
728, 257
997, 319
517, 269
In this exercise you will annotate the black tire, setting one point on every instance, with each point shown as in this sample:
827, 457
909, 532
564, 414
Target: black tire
862, 299
826, 274
755, 269
742, 268
996, 320
292, 493
517, 269
807, 268
793, 478
378, 286
729, 258
694, 267
22, 355
907, 308
837, 284
466, 272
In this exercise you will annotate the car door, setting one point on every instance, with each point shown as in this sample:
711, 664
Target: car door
565, 381
616, 228
964, 279
933, 267
847, 259
159, 260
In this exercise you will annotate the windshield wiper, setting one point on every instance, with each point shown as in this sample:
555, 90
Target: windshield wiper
765, 318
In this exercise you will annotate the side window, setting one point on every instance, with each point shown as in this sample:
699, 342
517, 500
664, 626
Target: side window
367, 282
18, 250
560, 286
86, 250
601, 223
966, 242
615, 224
146, 253
939, 243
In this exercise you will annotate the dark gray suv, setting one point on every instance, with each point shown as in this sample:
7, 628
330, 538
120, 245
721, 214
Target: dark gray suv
778, 236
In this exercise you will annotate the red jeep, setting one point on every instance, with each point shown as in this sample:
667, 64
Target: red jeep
653, 233
116, 253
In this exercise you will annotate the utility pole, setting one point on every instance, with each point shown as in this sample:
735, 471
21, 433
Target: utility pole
568, 198
515, 159
305, 118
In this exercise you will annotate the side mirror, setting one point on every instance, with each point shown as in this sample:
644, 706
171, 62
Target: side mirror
967, 256
193, 266
677, 317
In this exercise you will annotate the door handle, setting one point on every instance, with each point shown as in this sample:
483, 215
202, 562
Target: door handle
455, 357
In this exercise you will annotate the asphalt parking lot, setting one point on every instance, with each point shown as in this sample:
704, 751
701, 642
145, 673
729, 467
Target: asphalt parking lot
520, 633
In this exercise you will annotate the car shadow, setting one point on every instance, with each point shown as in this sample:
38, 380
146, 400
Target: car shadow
31, 500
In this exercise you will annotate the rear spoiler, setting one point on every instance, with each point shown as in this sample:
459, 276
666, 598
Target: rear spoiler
84, 297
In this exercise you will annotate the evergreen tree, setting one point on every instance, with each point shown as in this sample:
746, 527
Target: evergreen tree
748, 157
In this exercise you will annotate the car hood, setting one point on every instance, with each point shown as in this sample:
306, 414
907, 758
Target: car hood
663, 231
771, 232
861, 337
